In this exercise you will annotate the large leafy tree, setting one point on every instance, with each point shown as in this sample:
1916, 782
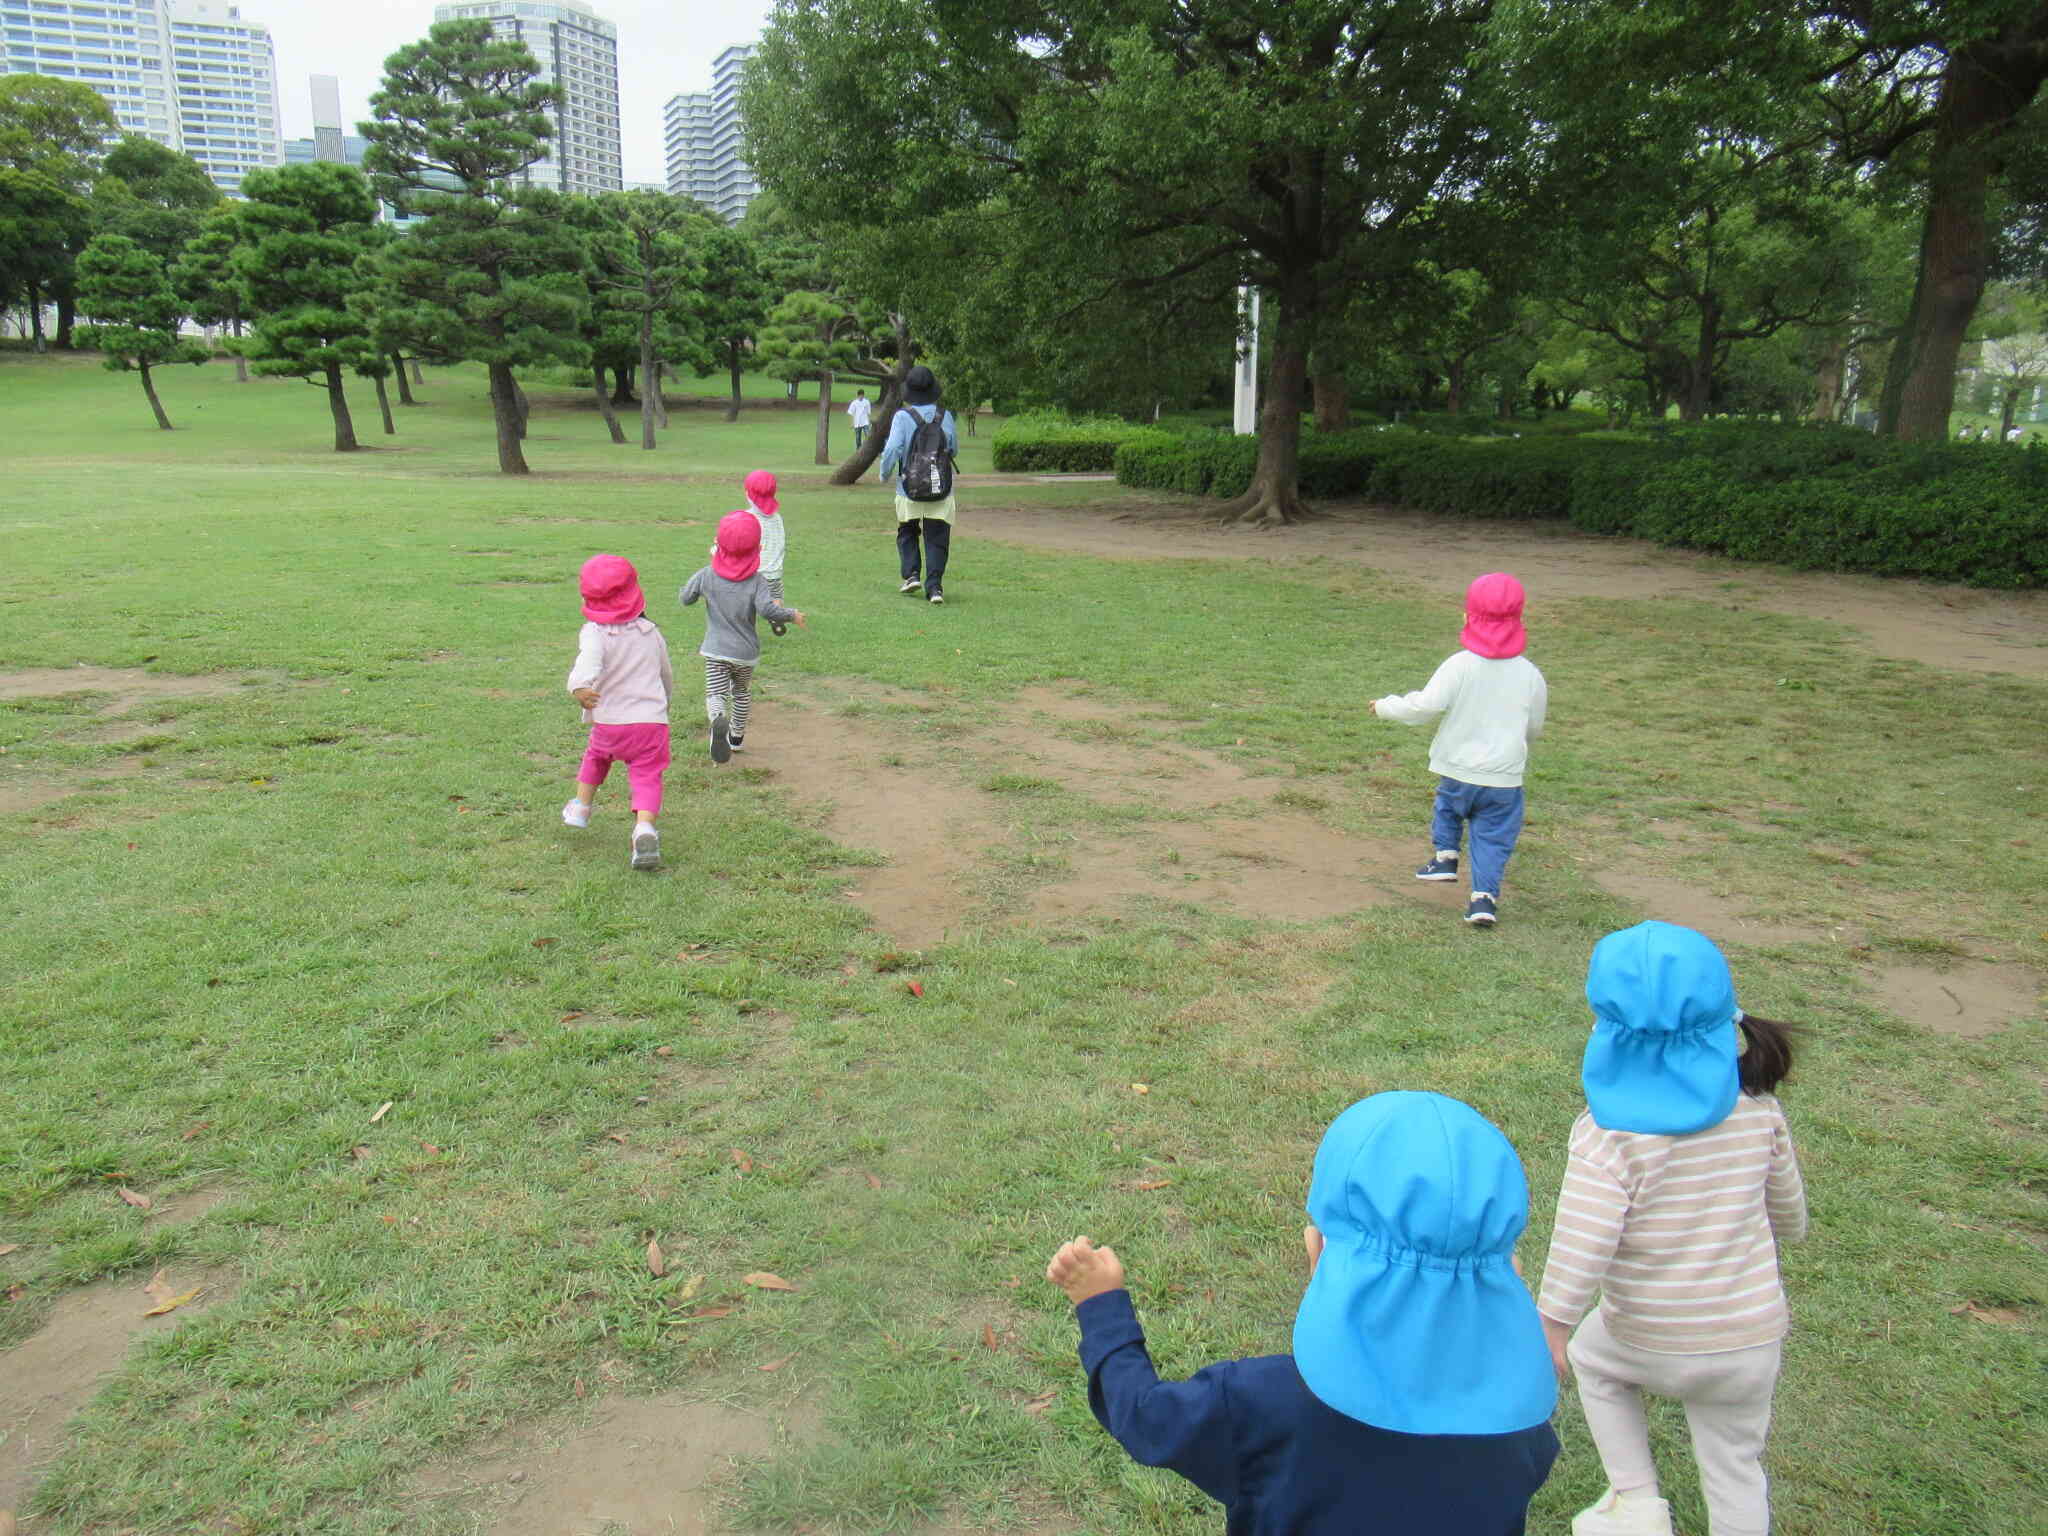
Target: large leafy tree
126, 290
1281, 144
645, 266
155, 196
307, 227
493, 273
205, 279
735, 299
2013, 359
41, 225
56, 129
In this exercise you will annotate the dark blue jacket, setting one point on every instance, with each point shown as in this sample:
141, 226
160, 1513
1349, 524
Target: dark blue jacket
1251, 1435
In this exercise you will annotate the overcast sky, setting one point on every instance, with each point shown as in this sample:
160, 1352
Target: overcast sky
664, 47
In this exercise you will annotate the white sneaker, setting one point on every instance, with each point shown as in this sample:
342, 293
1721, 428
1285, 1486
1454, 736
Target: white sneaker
1640, 1514
575, 814
911, 584
646, 848
736, 743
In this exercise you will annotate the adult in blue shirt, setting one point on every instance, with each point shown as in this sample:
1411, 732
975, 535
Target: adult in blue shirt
933, 520
1418, 1394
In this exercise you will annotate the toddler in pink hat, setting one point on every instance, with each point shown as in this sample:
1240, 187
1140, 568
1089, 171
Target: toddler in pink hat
622, 680
767, 509
734, 593
1491, 700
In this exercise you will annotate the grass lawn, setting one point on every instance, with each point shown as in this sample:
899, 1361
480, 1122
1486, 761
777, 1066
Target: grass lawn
337, 880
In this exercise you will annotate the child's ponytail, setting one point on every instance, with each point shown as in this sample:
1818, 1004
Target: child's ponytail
1766, 1054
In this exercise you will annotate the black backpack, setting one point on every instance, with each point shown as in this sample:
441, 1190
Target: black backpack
928, 467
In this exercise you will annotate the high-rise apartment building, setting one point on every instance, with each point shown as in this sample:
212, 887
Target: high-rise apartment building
225, 76
121, 48
195, 77
703, 138
578, 50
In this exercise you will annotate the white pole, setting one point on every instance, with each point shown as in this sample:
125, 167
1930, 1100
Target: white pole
1244, 416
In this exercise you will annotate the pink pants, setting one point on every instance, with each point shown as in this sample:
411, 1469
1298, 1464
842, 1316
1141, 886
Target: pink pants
642, 748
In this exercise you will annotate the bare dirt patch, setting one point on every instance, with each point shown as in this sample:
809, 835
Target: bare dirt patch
1967, 1000
28, 792
1944, 626
638, 1466
49, 1376
129, 686
1720, 919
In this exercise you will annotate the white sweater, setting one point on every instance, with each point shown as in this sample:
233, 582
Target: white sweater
628, 666
1491, 711
773, 537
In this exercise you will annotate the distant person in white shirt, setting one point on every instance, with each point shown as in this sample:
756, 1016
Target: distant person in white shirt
862, 412
1491, 700
2012, 434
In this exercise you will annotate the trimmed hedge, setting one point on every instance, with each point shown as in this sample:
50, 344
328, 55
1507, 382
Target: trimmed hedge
1818, 499
1048, 443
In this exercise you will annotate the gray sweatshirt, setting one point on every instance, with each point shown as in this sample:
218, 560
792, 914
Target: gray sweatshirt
729, 611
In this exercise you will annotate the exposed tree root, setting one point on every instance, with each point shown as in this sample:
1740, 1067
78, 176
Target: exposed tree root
1266, 507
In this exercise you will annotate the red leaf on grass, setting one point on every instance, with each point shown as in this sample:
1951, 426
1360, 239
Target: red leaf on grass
873, 1182
762, 1280
140, 1202
1043, 1401
430, 1149
664, 1050
711, 1312
1151, 1183
741, 1161
359, 1152
615, 1136
916, 988
543, 944
988, 1336
572, 1016
776, 1365
579, 1386
202, 1125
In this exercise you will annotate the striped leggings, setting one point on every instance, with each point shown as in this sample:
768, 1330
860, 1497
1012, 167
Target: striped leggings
723, 681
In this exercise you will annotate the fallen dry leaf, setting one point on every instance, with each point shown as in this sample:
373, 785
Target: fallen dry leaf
543, 944
916, 988
873, 1182
761, 1280
776, 1365
689, 1291
615, 1136
140, 1202
701, 1315
16, 1292
172, 1303
7, 1248
657, 1266
741, 1161
359, 1152
1043, 1401
572, 1016
1141, 1087
988, 1336
1012, 1283
430, 1149
202, 1125
1151, 1183
382, 1110
664, 1050
579, 1386
2008, 1316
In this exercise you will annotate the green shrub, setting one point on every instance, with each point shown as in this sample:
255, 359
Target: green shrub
1818, 498
1049, 443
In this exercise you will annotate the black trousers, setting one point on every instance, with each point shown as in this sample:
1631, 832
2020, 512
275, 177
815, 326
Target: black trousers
938, 543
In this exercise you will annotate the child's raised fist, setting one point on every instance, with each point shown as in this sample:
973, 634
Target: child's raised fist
1083, 1270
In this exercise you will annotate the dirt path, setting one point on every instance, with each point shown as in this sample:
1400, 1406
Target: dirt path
1956, 627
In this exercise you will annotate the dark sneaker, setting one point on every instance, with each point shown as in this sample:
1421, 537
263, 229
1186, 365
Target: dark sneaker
1443, 867
646, 848
780, 629
721, 743
737, 743
937, 595
1480, 911
910, 584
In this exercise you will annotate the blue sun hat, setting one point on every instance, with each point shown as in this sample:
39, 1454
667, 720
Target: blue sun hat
1415, 1319
1664, 1053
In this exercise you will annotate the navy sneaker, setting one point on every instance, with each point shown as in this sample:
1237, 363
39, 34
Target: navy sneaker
1480, 911
721, 743
1443, 867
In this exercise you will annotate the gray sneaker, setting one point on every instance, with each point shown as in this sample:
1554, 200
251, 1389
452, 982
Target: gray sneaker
721, 742
910, 584
646, 848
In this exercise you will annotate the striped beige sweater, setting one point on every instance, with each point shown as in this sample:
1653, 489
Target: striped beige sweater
1678, 1234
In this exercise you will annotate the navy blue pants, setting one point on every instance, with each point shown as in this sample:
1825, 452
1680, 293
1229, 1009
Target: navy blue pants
1495, 817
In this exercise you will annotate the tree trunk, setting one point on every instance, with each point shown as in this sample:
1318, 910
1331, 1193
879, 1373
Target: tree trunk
1454, 386
337, 402
661, 371
824, 444
604, 406
732, 409
521, 405
241, 362
417, 376
35, 316
1333, 402
1984, 87
1698, 395
384, 405
1275, 494
623, 394
2009, 408
404, 388
650, 380
67, 313
1829, 379
149, 389
891, 396
505, 413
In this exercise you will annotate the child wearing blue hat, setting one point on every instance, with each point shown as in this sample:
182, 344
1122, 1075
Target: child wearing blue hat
1680, 1185
1417, 1396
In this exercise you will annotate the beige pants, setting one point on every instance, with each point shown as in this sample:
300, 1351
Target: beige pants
1727, 1399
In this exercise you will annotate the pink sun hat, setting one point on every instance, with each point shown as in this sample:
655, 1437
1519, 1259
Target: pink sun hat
1493, 617
611, 590
738, 554
761, 492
